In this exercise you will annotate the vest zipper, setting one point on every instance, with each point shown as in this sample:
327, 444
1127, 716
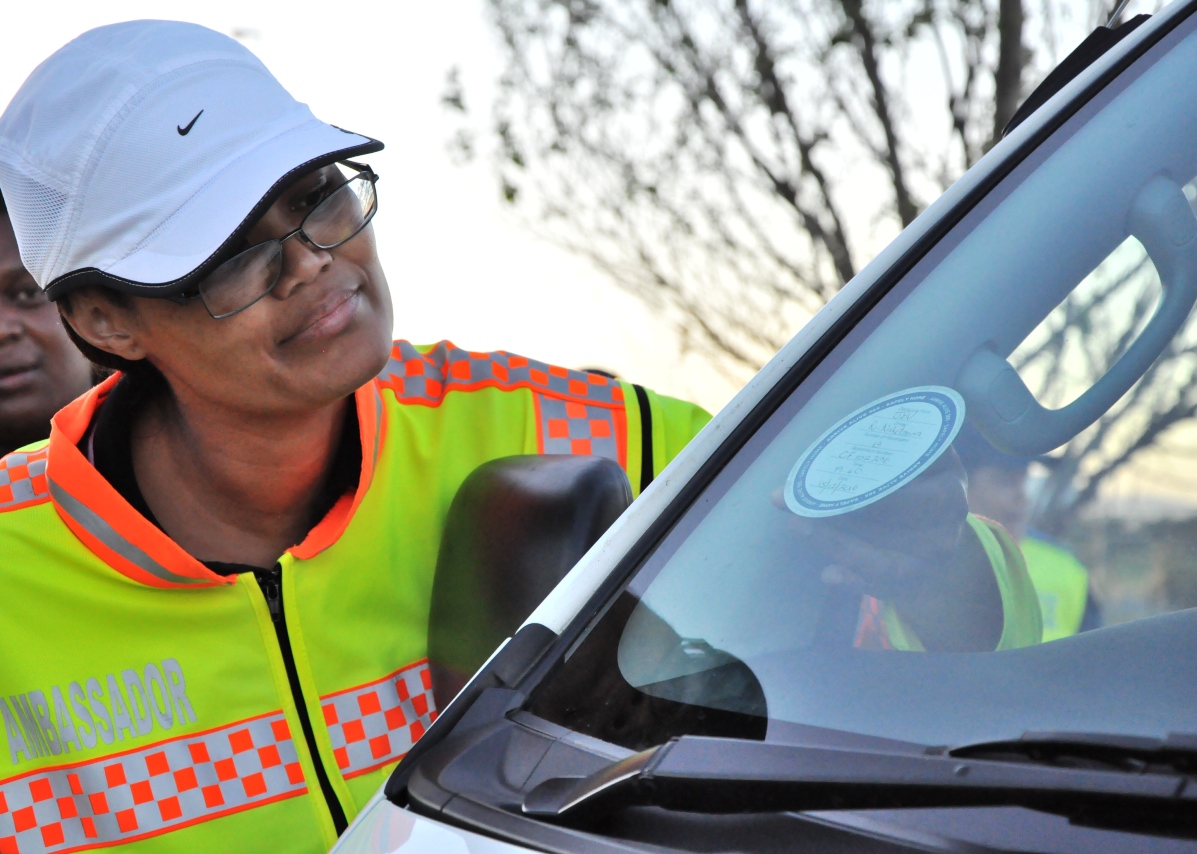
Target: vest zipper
271, 583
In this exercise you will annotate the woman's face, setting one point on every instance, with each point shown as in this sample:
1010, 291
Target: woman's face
323, 331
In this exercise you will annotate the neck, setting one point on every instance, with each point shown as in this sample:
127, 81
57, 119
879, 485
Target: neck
230, 486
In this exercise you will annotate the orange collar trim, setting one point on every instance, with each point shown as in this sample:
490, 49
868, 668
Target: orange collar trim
372, 425
132, 545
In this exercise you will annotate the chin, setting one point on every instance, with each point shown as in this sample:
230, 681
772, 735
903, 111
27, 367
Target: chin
357, 360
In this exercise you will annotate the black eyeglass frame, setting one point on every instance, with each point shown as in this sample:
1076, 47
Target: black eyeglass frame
362, 169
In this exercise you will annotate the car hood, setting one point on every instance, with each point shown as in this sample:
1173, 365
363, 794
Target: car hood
383, 828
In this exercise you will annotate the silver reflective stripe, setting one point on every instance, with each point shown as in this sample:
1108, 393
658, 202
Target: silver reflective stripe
106, 534
151, 790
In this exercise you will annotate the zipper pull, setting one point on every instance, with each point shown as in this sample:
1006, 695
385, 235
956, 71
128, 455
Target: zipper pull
271, 582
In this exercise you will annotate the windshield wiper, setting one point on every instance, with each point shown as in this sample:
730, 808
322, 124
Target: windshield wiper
720, 775
1099, 751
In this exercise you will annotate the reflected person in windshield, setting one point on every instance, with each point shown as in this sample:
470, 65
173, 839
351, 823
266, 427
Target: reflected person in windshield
916, 571
997, 490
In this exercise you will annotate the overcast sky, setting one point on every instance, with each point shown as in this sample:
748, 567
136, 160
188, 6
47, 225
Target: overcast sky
458, 266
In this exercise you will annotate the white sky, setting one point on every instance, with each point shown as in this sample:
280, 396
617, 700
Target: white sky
459, 267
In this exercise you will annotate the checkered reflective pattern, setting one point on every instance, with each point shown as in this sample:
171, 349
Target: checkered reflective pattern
151, 790
568, 427
579, 412
425, 377
376, 724
23, 479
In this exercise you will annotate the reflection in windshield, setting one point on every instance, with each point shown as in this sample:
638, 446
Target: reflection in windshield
977, 517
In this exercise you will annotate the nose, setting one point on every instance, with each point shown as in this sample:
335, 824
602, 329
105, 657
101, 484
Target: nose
12, 325
302, 262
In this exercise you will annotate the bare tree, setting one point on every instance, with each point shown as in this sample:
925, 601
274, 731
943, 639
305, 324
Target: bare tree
735, 162
1073, 348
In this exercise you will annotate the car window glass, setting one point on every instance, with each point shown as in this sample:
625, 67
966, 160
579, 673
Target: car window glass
978, 516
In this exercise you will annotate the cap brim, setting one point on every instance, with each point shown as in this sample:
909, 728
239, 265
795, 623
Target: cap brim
210, 227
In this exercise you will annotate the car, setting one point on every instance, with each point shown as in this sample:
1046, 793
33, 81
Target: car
805, 634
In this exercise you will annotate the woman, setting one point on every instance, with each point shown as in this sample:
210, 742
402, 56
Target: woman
217, 572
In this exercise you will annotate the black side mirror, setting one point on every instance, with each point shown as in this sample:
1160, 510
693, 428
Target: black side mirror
516, 526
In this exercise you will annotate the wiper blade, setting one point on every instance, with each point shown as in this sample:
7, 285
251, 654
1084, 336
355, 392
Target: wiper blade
1103, 751
723, 775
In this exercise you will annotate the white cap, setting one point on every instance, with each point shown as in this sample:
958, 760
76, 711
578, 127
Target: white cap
137, 156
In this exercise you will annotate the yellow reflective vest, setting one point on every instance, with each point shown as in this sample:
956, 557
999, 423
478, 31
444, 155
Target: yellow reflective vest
882, 627
150, 703
1062, 584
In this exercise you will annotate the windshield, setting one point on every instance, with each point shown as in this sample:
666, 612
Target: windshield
975, 518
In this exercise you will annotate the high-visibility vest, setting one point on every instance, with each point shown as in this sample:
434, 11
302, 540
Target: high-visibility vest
1062, 583
148, 701
881, 626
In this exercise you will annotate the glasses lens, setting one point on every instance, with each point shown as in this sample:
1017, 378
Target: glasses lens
343, 214
242, 280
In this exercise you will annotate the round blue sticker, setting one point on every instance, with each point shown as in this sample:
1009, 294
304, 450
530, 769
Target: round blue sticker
874, 451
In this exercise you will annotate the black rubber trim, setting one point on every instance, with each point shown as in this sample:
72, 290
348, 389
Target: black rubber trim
622, 572
646, 438
81, 278
1093, 48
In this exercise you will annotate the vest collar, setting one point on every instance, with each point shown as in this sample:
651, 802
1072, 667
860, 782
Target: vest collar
129, 543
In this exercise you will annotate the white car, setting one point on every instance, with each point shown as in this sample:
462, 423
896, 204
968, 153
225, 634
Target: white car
804, 636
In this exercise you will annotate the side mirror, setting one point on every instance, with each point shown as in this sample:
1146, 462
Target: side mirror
515, 528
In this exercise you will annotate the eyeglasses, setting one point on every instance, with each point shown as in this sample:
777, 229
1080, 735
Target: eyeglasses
251, 274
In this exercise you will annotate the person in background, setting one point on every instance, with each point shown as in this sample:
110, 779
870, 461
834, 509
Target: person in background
997, 490
41, 371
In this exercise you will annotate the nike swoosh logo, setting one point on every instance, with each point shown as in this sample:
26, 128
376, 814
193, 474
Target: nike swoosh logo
183, 131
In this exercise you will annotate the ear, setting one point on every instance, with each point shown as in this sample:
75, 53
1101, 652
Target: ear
104, 324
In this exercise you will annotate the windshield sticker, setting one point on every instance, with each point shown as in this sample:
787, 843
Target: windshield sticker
874, 451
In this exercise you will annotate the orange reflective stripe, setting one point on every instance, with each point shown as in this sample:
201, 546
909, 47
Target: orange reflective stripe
74, 418
101, 518
151, 790
23, 479
92, 528
377, 723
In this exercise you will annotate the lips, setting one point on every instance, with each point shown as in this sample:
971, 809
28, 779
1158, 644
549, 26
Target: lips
13, 377
11, 370
328, 317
